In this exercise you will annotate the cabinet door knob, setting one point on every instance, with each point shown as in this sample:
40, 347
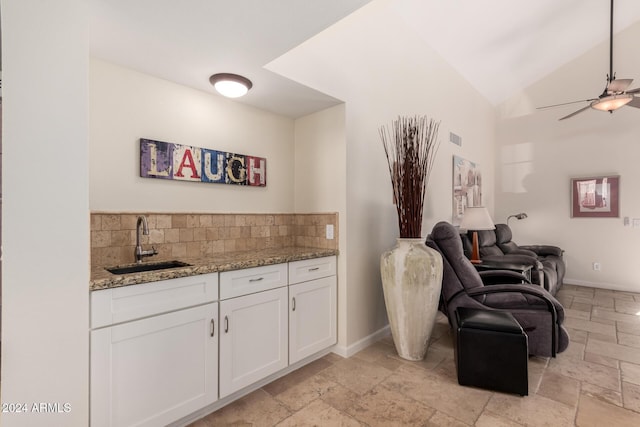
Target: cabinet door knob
226, 324
314, 269
293, 304
213, 327
256, 280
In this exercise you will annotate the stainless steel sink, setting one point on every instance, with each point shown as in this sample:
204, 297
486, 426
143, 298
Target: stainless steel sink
140, 268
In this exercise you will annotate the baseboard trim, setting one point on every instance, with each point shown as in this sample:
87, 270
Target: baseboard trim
348, 351
599, 285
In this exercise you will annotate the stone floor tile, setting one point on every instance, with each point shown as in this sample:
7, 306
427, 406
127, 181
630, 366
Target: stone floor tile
257, 409
434, 357
384, 407
603, 301
578, 314
380, 354
630, 372
576, 305
579, 292
440, 393
602, 360
560, 388
318, 413
532, 411
631, 396
616, 351
628, 328
590, 326
589, 372
574, 350
489, 419
440, 419
576, 335
340, 398
602, 337
356, 374
629, 340
305, 392
627, 307
604, 394
593, 412
604, 313
284, 383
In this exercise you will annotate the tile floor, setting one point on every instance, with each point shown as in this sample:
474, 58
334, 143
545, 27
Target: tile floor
595, 382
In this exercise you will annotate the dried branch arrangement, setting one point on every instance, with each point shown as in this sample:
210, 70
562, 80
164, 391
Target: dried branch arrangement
410, 146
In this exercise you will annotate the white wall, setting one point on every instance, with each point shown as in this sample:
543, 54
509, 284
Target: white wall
368, 60
126, 105
321, 169
539, 154
45, 236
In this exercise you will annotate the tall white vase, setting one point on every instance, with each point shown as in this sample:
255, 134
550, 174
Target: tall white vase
411, 280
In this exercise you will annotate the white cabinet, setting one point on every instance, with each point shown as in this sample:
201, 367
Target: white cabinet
253, 332
156, 369
312, 307
312, 317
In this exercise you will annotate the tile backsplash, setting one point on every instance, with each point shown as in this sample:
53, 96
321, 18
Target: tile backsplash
113, 235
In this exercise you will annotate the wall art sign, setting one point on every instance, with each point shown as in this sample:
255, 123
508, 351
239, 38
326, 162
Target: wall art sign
165, 160
467, 187
595, 197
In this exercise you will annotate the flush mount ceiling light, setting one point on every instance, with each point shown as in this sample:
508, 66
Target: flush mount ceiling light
230, 85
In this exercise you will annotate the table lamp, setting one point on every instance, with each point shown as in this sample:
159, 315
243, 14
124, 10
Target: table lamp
474, 219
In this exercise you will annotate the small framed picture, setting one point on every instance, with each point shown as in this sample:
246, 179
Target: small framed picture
595, 197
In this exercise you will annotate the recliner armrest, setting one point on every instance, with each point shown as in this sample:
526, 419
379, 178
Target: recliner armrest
495, 277
544, 249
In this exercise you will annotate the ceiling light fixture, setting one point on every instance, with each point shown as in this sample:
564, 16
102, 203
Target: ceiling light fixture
611, 102
230, 85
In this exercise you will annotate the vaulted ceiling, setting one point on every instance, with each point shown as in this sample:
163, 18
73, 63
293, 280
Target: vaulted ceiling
499, 46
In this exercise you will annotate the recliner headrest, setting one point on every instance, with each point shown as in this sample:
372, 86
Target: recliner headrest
503, 233
444, 231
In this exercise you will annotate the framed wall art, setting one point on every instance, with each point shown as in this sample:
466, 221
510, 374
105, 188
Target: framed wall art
595, 197
467, 187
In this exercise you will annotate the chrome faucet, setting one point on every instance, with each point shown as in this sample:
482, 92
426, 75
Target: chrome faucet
139, 252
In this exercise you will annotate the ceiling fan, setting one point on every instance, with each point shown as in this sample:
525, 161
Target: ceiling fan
615, 94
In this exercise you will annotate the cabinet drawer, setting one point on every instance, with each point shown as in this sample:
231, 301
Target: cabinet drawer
251, 280
110, 306
310, 269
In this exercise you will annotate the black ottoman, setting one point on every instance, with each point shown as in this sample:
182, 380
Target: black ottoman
491, 351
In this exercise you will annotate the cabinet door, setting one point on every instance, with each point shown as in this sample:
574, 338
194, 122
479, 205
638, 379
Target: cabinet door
154, 371
312, 317
253, 338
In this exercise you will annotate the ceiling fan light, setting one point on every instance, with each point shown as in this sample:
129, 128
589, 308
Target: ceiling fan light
230, 85
611, 102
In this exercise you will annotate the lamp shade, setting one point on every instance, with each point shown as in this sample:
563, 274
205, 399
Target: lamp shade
477, 218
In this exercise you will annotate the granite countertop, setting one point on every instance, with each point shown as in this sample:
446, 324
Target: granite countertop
102, 279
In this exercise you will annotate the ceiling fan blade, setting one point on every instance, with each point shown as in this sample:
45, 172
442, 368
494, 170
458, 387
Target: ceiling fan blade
618, 85
576, 112
635, 102
636, 90
564, 103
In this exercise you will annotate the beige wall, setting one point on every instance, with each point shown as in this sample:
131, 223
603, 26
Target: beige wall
45, 236
538, 155
367, 60
320, 182
126, 105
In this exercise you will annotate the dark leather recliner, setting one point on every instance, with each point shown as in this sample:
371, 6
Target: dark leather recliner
537, 311
489, 251
549, 255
